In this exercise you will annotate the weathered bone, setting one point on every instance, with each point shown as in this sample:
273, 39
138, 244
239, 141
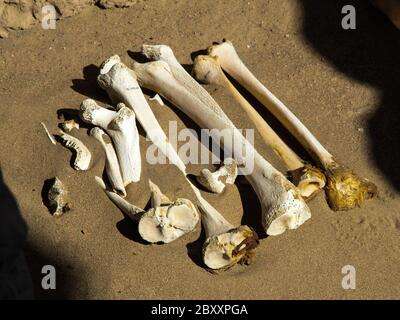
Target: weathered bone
282, 205
121, 127
211, 180
115, 78
112, 166
165, 221
69, 125
82, 153
309, 180
345, 190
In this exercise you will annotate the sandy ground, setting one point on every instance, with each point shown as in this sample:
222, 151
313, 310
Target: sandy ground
342, 84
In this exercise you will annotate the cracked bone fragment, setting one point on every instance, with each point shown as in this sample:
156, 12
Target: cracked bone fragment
111, 164
56, 197
211, 180
164, 222
308, 179
282, 205
115, 78
69, 125
121, 127
82, 153
226, 245
121, 85
345, 190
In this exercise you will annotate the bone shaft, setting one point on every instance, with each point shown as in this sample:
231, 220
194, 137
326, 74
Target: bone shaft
269, 136
130, 210
264, 177
112, 167
146, 117
213, 221
243, 75
151, 126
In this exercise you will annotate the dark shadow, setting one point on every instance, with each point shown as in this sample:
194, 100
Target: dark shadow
193, 179
251, 207
137, 56
195, 249
188, 68
16, 282
88, 86
129, 229
368, 54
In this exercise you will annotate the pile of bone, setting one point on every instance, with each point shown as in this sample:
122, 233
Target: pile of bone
283, 201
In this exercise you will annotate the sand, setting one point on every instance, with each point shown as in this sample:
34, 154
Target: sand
341, 84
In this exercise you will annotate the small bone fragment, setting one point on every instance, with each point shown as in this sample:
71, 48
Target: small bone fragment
211, 180
56, 196
68, 125
49, 135
112, 166
82, 153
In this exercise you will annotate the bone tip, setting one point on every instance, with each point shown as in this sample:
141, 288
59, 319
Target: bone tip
96, 132
208, 180
155, 52
217, 46
109, 63
87, 107
346, 190
100, 182
236, 246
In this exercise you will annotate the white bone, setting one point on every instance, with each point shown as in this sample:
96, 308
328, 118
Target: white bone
165, 222
310, 180
121, 127
82, 153
345, 190
112, 166
69, 125
278, 196
157, 98
115, 78
211, 180
57, 198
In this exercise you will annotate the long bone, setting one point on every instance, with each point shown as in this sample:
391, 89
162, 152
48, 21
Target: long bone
121, 127
309, 180
118, 81
345, 190
282, 205
112, 166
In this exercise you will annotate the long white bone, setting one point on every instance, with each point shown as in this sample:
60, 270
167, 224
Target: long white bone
345, 190
282, 205
118, 80
112, 166
121, 127
309, 179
